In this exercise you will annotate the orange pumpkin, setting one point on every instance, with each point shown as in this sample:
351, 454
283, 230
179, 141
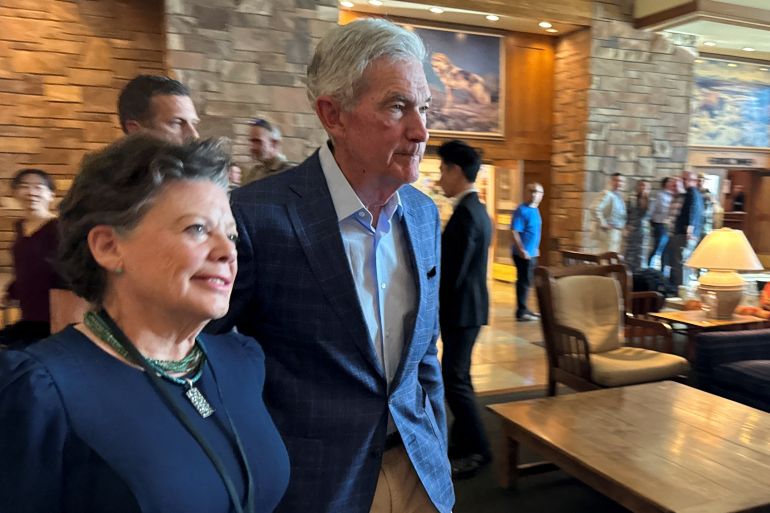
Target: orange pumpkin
748, 310
764, 298
692, 304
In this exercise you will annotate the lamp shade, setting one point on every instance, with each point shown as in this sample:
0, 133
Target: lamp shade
725, 249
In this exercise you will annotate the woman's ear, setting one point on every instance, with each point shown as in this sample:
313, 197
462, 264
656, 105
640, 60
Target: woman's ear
105, 248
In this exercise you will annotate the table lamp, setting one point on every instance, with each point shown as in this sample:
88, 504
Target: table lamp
722, 252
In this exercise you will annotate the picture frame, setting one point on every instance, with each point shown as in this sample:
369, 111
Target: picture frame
466, 75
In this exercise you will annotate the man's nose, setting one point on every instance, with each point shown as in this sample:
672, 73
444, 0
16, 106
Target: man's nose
191, 132
418, 127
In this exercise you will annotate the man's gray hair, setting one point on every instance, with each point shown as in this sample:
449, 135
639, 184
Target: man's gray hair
343, 55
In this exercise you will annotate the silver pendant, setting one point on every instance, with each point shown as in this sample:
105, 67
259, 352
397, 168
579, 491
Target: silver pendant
198, 401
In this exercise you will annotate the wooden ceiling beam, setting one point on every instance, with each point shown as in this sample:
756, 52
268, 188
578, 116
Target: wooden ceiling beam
576, 12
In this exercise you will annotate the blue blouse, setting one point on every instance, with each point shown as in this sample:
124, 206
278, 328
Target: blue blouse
80, 431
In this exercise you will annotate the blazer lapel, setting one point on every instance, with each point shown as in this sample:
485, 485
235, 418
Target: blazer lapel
416, 251
315, 223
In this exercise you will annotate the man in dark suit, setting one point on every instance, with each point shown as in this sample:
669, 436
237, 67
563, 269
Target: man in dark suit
464, 303
338, 276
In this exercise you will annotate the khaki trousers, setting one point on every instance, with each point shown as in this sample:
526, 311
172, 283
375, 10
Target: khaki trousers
609, 240
399, 490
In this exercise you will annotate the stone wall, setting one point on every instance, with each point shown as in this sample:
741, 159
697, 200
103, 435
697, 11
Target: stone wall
571, 84
247, 58
638, 113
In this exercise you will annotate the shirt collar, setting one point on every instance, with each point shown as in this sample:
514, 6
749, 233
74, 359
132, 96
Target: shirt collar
457, 199
346, 201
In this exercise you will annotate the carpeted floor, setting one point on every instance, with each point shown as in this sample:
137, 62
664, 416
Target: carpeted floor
554, 492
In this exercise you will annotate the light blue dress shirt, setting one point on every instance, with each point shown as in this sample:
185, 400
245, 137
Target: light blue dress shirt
379, 260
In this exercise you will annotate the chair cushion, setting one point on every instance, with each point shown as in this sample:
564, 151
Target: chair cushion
592, 305
752, 376
632, 365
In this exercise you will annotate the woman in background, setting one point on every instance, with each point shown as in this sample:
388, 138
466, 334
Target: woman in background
135, 410
637, 209
33, 251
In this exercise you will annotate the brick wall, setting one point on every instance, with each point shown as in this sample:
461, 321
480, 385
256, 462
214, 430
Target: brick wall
637, 115
571, 84
62, 65
246, 59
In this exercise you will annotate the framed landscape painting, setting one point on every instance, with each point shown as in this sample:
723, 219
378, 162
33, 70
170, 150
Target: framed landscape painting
464, 75
730, 104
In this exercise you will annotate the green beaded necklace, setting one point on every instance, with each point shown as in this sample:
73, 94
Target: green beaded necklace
194, 360
186, 365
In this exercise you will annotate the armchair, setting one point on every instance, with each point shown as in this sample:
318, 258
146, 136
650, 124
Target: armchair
591, 340
735, 365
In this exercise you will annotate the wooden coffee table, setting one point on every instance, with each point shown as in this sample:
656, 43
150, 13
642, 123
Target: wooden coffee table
657, 447
695, 322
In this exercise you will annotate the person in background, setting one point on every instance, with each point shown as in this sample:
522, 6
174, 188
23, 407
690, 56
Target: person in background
134, 410
159, 106
708, 205
344, 297
687, 228
677, 200
266, 151
526, 229
154, 105
637, 210
659, 212
234, 176
33, 251
463, 303
739, 198
610, 215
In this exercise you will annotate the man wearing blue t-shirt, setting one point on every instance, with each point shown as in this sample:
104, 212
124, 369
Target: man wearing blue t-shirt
526, 227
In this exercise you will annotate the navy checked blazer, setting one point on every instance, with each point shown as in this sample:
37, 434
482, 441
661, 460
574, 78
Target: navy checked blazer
324, 386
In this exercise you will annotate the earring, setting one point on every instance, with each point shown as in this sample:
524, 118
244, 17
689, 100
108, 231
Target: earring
118, 270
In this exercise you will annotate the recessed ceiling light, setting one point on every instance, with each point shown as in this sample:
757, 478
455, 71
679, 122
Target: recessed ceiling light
376, 3
709, 43
551, 30
436, 10
544, 24
762, 69
492, 17
347, 4
747, 49
732, 65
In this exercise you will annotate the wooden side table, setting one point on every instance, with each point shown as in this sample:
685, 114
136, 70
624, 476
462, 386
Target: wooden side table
695, 322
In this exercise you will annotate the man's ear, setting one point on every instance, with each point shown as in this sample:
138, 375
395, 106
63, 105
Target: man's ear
132, 126
330, 112
105, 248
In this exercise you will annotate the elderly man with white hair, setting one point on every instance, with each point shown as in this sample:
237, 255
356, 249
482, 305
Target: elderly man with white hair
338, 280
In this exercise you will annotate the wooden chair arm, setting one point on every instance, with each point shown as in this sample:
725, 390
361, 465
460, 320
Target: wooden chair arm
648, 334
570, 351
644, 302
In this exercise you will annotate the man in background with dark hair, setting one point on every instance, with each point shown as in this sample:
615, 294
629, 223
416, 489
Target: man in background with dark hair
265, 141
659, 213
687, 228
160, 106
463, 303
